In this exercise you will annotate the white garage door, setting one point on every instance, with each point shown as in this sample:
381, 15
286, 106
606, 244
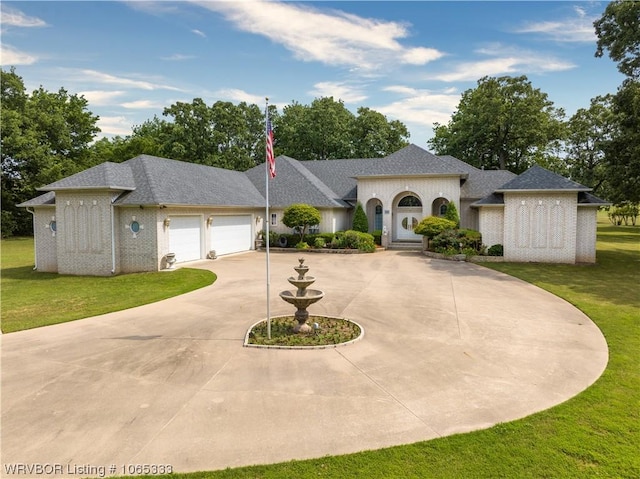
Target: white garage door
231, 234
185, 238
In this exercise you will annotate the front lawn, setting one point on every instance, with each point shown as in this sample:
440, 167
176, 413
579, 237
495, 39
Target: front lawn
31, 299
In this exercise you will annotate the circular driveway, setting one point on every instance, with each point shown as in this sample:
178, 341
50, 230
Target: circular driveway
448, 347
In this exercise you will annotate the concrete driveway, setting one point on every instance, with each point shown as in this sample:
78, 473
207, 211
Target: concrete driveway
448, 347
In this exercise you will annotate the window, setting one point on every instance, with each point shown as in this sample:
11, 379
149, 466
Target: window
410, 201
443, 209
274, 219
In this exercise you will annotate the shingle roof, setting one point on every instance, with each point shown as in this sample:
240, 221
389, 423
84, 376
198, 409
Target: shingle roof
484, 182
494, 199
537, 178
585, 198
48, 198
115, 176
160, 181
294, 183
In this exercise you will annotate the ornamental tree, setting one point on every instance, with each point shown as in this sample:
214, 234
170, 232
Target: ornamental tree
300, 216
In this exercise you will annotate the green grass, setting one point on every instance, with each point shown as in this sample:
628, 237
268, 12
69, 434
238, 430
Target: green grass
594, 435
31, 299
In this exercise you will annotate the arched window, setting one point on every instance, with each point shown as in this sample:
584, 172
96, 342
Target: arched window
410, 200
443, 209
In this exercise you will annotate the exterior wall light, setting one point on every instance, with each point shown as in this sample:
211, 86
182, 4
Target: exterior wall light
166, 222
209, 221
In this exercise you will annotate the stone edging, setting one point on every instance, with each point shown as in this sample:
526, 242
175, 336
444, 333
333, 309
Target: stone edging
323, 346
462, 257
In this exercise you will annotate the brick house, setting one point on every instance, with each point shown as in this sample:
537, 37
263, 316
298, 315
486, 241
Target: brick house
127, 217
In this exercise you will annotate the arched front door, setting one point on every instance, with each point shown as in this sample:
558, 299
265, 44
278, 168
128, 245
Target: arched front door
408, 215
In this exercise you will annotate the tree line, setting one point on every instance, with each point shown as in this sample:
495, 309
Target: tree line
503, 123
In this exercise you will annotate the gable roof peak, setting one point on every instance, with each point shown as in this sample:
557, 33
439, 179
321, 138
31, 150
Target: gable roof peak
538, 178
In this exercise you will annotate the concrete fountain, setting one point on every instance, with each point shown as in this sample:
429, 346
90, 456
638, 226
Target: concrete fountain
302, 298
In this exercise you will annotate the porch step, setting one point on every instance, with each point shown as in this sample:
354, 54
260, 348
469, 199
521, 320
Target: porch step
406, 246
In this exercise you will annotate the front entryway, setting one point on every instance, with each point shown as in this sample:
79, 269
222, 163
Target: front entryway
407, 215
405, 224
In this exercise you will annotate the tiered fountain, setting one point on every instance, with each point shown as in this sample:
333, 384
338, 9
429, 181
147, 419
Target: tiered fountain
303, 297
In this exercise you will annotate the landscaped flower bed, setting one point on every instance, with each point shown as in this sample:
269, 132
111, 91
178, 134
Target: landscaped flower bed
329, 332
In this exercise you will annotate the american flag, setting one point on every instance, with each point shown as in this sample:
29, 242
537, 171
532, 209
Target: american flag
271, 161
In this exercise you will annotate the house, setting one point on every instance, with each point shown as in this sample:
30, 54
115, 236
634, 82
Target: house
127, 217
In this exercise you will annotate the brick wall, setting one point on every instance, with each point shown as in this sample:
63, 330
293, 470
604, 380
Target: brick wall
45, 239
586, 234
83, 238
540, 227
491, 225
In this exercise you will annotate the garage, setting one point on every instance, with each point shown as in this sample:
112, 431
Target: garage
231, 234
185, 238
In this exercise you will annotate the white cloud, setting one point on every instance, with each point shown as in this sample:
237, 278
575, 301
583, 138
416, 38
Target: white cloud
506, 61
339, 91
577, 29
199, 33
12, 56
15, 18
101, 97
235, 94
421, 107
178, 57
115, 125
143, 105
106, 78
327, 36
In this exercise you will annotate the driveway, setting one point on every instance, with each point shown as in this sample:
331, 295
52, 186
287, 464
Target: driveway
448, 347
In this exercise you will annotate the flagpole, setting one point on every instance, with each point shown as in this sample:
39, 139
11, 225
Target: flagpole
267, 217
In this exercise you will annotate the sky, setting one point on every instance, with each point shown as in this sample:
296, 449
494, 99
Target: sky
410, 61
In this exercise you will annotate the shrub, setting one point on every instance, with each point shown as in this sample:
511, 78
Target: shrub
496, 250
360, 221
432, 226
624, 213
354, 240
451, 214
377, 237
319, 242
302, 245
458, 239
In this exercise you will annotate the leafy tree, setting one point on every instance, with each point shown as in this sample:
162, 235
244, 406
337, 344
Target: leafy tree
360, 221
327, 130
504, 123
618, 31
45, 137
373, 136
300, 216
589, 130
622, 151
451, 213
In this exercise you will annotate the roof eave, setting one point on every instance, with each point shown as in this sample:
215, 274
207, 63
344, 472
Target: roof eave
544, 190
72, 188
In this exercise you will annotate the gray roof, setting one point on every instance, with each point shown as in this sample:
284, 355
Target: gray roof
537, 178
484, 182
150, 180
494, 199
412, 161
113, 176
294, 183
160, 181
48, 198
586, 198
